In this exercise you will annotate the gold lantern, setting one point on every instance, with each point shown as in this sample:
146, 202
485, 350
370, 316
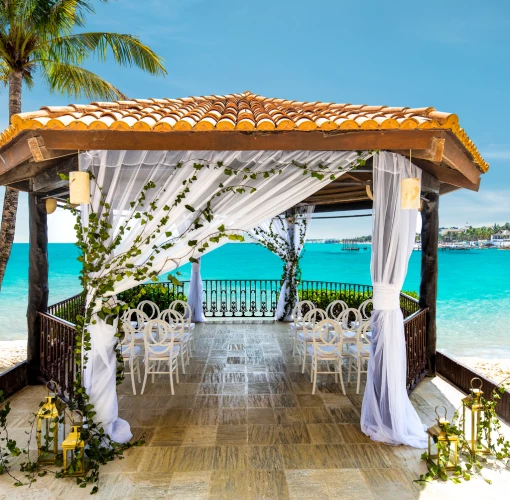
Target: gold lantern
47, 428
73, 450
473, 412
443, 447
79, 188
410, 193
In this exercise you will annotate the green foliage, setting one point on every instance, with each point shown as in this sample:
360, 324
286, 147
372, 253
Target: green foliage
158, 293
322, 298
39, 36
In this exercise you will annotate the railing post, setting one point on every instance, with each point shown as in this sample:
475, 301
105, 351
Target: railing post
429, 272
37, 281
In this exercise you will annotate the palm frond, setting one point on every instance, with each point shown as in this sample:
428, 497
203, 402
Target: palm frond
59, 16
77, 82
5, 71
127, 50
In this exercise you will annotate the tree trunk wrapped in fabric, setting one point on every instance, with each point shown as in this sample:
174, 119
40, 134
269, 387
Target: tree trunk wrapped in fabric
152, 211
285, 236
387, 415
196, 294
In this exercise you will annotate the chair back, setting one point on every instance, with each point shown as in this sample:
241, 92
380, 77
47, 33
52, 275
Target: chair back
350, 319
312, 317
127, 339
174, 319
182, 308
149, 308
327, 338
136, 316
335, 309
300, 309
158, 338
366, 309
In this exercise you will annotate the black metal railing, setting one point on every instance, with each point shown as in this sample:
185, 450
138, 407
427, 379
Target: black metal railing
415, 331
57, 352
69, 308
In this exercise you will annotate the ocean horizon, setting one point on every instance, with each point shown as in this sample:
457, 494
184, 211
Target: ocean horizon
473, 310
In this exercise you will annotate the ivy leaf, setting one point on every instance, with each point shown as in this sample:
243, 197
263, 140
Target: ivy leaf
64, 177
189, 207
192, 243
221, 228
192, 259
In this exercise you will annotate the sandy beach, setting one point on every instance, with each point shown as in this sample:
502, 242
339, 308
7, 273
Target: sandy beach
12, 352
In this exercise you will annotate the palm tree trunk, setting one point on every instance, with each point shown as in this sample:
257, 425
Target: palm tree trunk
11, 195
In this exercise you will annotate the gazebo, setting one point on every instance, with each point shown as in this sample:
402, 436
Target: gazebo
372, 148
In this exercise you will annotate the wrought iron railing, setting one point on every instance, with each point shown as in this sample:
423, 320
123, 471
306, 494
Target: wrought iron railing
69, 308
57, 352
415, 330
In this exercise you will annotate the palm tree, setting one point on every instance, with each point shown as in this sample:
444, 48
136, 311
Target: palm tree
38, 38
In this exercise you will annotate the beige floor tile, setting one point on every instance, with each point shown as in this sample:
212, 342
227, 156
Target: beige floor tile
229, 485
264, 457
200, 435
190, 486
260, 416
232, 435
307, 484
263, 434
324, 434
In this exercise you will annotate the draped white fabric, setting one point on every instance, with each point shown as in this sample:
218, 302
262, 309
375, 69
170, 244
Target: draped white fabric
286, 234
195, 293
387, 415
122, 176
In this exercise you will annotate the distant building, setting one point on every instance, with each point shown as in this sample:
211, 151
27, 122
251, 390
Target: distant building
449, 233
501, 239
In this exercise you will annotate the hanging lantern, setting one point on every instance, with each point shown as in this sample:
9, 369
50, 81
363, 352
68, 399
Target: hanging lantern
410, 193
443, 446
477, 435
79, 188
47, 429
73, 450
51, 205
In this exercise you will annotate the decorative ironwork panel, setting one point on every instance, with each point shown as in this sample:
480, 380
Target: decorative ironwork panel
415, 328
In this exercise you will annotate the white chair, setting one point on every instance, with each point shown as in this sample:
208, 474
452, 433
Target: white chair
326, 346
299, 311
179, 305
366, 309
137, 319
350, 321
160, 348
181, 336
304, 337
130, 353
335, 309
149, 308
359, 353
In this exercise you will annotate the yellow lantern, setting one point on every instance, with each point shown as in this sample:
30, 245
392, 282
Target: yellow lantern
473, 413
410, 193
73, 450
443, 447
51, 205
79, 188
47, 429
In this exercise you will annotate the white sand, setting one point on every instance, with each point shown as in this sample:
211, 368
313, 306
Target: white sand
494, 369
12, 352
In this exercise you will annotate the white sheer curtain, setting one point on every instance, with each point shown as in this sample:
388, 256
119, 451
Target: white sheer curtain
122, 176
387, 415
196, 293
285, 235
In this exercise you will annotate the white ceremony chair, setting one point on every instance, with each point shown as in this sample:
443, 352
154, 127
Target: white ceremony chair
160, 348
181, 336
359, 353
130, 353
304, 337
366, 309
149, 308
179, 305
326, 347
137, 319
350, 321
335, 309
296, 325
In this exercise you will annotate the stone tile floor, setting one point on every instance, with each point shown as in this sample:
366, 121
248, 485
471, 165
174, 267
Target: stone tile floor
243, 424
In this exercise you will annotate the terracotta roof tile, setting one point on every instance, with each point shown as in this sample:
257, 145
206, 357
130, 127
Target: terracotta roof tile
243, 112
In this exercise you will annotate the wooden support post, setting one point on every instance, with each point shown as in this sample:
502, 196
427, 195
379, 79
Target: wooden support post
37, 281
429, 272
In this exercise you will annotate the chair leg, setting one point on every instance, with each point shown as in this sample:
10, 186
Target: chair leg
341, 375
145, 374
182, 358
171, 369
304, 358
294, 346
313, 365
349, 371
176, 371
359, 374
132, 374
138, 369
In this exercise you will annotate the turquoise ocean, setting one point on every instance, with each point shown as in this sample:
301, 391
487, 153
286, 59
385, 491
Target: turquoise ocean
473, 299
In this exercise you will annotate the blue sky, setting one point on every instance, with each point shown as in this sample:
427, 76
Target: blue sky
450, 54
